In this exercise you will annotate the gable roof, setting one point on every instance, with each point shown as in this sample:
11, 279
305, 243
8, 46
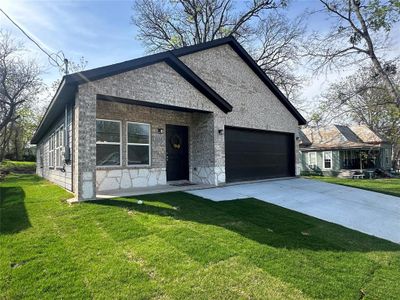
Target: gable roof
367, 135
231, 41
66, 91
338, 137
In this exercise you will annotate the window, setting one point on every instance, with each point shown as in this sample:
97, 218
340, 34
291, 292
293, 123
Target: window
138, 143
59, 137
41, 156
328, 160
108, 143
51, 151
312, 159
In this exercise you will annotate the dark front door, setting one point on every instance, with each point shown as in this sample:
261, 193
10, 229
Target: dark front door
177, 152
256, 154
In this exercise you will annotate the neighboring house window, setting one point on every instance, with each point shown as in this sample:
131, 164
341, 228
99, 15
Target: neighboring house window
328, 160
312, 159
59, 137
108, 143
138, 143
51, 151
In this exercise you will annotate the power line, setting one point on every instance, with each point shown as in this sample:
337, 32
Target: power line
36, 43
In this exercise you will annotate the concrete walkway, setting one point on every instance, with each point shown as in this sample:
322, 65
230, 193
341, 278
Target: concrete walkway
369, 212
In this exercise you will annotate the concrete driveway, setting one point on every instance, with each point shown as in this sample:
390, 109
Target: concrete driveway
369, 212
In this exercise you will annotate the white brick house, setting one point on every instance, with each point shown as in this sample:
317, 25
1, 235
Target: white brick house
204, 113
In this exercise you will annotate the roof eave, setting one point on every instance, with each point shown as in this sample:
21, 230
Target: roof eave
63, 96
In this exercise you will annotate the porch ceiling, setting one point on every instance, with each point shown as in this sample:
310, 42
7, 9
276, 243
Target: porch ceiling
148, 104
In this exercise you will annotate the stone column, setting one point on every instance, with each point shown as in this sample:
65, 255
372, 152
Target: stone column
84, 153
219, 152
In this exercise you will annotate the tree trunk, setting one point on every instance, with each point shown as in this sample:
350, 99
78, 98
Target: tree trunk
371, 53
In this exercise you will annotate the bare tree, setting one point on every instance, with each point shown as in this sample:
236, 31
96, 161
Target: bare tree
169, 24
272, 39
19, 82
275, 47
359, 33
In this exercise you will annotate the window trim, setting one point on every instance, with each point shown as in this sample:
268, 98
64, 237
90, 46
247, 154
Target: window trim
309, 159
51, 151
137, 144
331, 159
58, 132
111, 143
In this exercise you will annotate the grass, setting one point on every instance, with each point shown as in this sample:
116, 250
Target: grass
17, 166
390, 186
179, 246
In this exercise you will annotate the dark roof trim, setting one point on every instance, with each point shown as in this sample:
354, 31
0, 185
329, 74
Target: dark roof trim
67, 89
147, 104
261, 74
231, 41
167, 57
111, 70
64, 96
198, 83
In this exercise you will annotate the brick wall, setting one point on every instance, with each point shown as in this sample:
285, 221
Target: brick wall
201, 149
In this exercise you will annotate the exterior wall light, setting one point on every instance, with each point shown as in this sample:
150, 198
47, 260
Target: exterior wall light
160, 130
221, 131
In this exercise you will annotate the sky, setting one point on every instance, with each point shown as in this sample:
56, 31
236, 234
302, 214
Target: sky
101, 31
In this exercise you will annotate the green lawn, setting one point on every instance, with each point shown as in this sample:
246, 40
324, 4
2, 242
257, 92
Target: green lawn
390, 186
178, 246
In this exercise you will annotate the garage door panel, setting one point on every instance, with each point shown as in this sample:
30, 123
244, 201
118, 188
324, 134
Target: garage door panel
251, 155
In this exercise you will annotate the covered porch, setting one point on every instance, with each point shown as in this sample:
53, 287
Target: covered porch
360, 159
153, 148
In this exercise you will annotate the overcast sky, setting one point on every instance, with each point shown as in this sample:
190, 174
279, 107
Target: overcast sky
101, 31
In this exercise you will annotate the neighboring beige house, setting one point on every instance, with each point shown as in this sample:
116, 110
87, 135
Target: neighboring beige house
337, 149
201, 114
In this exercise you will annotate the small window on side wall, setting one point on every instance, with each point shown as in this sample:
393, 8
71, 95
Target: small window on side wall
138, 144
328, 160
108, 143
51, 151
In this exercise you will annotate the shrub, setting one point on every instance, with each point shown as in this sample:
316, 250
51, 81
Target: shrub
311, 173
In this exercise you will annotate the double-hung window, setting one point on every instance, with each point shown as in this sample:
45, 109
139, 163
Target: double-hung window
59, 137
327, 159
51, 151
138, 143
312, 159
108, 143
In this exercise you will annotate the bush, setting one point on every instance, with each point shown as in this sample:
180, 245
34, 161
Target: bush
311, 173
9, 166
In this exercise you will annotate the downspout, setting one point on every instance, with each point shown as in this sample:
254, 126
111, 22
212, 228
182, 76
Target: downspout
66, 139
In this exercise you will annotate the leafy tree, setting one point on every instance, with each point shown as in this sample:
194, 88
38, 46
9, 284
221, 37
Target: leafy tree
359, 34
363, 98
20, 86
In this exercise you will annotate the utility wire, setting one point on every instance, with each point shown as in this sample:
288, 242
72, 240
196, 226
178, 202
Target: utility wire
31, 39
